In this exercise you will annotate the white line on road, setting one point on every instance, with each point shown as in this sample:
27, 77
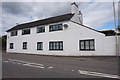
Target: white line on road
98, 74
50, 67
6, 61
24, 63
33, 66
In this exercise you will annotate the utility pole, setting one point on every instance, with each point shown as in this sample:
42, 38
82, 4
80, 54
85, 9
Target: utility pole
116, 39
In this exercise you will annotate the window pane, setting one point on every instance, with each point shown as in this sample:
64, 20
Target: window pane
92, 44
11, 45
26, 31
86, 44
58, 45
24, 45
40, 46
51, 46
14, 33
82, 45
55, 27
40, 29
60, 26
61, 45
55, 45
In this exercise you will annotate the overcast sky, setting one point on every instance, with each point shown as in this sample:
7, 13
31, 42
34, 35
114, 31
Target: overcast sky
97, 15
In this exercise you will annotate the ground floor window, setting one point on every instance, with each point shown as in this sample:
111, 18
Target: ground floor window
24, 45
11, 45
39, 45
56, 45
87, 44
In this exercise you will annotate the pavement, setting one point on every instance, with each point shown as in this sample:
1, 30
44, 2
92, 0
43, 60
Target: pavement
38, 66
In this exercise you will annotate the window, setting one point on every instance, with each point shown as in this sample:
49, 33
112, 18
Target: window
11, 45
39, 45
40, 29
56, 27
57, 45
24, 45
87, 44
14, 33
25, 31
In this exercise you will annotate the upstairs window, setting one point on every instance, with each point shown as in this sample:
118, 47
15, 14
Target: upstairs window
40, 29
39, 45
25, 31
57, 45
55, 27
11, 45
24, 45
87, 44
14, 33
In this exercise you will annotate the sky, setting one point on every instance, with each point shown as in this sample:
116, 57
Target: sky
97, 15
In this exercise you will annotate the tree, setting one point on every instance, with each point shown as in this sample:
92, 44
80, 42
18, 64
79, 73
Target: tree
3, 42
118, 29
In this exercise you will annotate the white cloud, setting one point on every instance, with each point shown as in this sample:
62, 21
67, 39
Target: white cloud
97, 14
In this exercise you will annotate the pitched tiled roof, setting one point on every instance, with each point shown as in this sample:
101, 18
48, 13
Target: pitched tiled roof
46, 21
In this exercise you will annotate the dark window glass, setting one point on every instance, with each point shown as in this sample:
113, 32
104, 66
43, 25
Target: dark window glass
24, 45
11, 45
40, 29
87, 44
39, 45
55, 27
57, 45
14, 33
25, 31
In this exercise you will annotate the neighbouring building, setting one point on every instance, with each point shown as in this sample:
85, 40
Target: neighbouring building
64, 35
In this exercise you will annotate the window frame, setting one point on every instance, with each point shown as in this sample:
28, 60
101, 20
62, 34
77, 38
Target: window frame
41, 43
88, 45
42, 30
23, 45
12, 46
55, 27
26, 33
55, 45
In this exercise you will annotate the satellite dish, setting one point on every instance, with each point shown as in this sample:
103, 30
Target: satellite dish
65, 25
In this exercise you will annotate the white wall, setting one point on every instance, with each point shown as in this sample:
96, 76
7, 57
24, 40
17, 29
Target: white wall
104, 46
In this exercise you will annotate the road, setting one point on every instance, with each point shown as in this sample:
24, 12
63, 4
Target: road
34, 66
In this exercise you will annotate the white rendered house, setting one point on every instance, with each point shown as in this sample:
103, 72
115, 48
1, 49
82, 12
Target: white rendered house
63, 35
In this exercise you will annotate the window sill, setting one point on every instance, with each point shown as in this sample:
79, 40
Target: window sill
40, 32
87, 50
56, 30
24, 49
25, 34
39, 50
56, 50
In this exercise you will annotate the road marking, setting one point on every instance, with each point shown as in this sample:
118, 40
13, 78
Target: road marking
33, 66
72, 70
36, 64
24, 63
98, 74
50, 67
6, 61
